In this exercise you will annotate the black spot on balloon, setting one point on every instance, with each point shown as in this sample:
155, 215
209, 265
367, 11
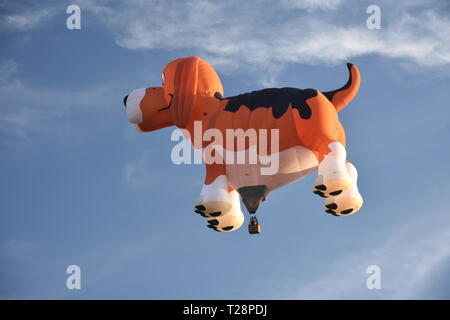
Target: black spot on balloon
279, 99
227, 228
321, 187
335, 193
218, 96
215, 214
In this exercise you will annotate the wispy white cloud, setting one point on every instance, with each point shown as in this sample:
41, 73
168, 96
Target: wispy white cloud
265, 36
26, 109
311, 5
407, 257
233, 34
15, 16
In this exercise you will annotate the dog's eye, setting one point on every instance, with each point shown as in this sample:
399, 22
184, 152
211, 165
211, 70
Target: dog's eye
162, 78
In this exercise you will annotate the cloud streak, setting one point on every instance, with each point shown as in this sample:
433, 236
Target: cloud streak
23, 16
311, 5
27, 109
233, 34
407, 258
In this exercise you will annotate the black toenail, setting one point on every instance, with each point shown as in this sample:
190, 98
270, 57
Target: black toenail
228, 228
215, 214
346, 211
331, 206
321, 187
200, 207
331, 212
213, 227
335, 193
213, 222
201, 213
320, 193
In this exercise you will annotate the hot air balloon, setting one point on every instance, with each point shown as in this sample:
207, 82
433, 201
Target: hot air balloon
253, 143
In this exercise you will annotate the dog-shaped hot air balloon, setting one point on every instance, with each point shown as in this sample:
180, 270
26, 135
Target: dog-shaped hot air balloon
308, 137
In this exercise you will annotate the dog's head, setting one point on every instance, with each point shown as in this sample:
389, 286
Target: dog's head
184, 81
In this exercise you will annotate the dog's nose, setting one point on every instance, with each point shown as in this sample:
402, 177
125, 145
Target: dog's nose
125, 100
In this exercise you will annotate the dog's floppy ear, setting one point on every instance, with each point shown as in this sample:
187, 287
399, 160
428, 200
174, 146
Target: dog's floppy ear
184, 81
184, 91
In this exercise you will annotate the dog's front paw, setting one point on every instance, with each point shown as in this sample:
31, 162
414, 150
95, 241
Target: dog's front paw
226, 223
345, 204
332, 184
212, 208
214, 199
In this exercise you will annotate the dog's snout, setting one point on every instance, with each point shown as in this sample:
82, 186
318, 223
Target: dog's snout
132, 103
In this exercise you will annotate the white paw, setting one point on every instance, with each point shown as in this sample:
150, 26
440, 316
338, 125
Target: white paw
349, 201
214, 199
333, 177
231, 220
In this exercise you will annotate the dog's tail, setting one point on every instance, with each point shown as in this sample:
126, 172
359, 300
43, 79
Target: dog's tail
342, 96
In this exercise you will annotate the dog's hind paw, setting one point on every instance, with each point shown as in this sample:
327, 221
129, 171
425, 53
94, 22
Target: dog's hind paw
344, 204
333, 176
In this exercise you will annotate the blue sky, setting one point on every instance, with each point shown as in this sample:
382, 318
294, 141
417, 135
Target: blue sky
80, 186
